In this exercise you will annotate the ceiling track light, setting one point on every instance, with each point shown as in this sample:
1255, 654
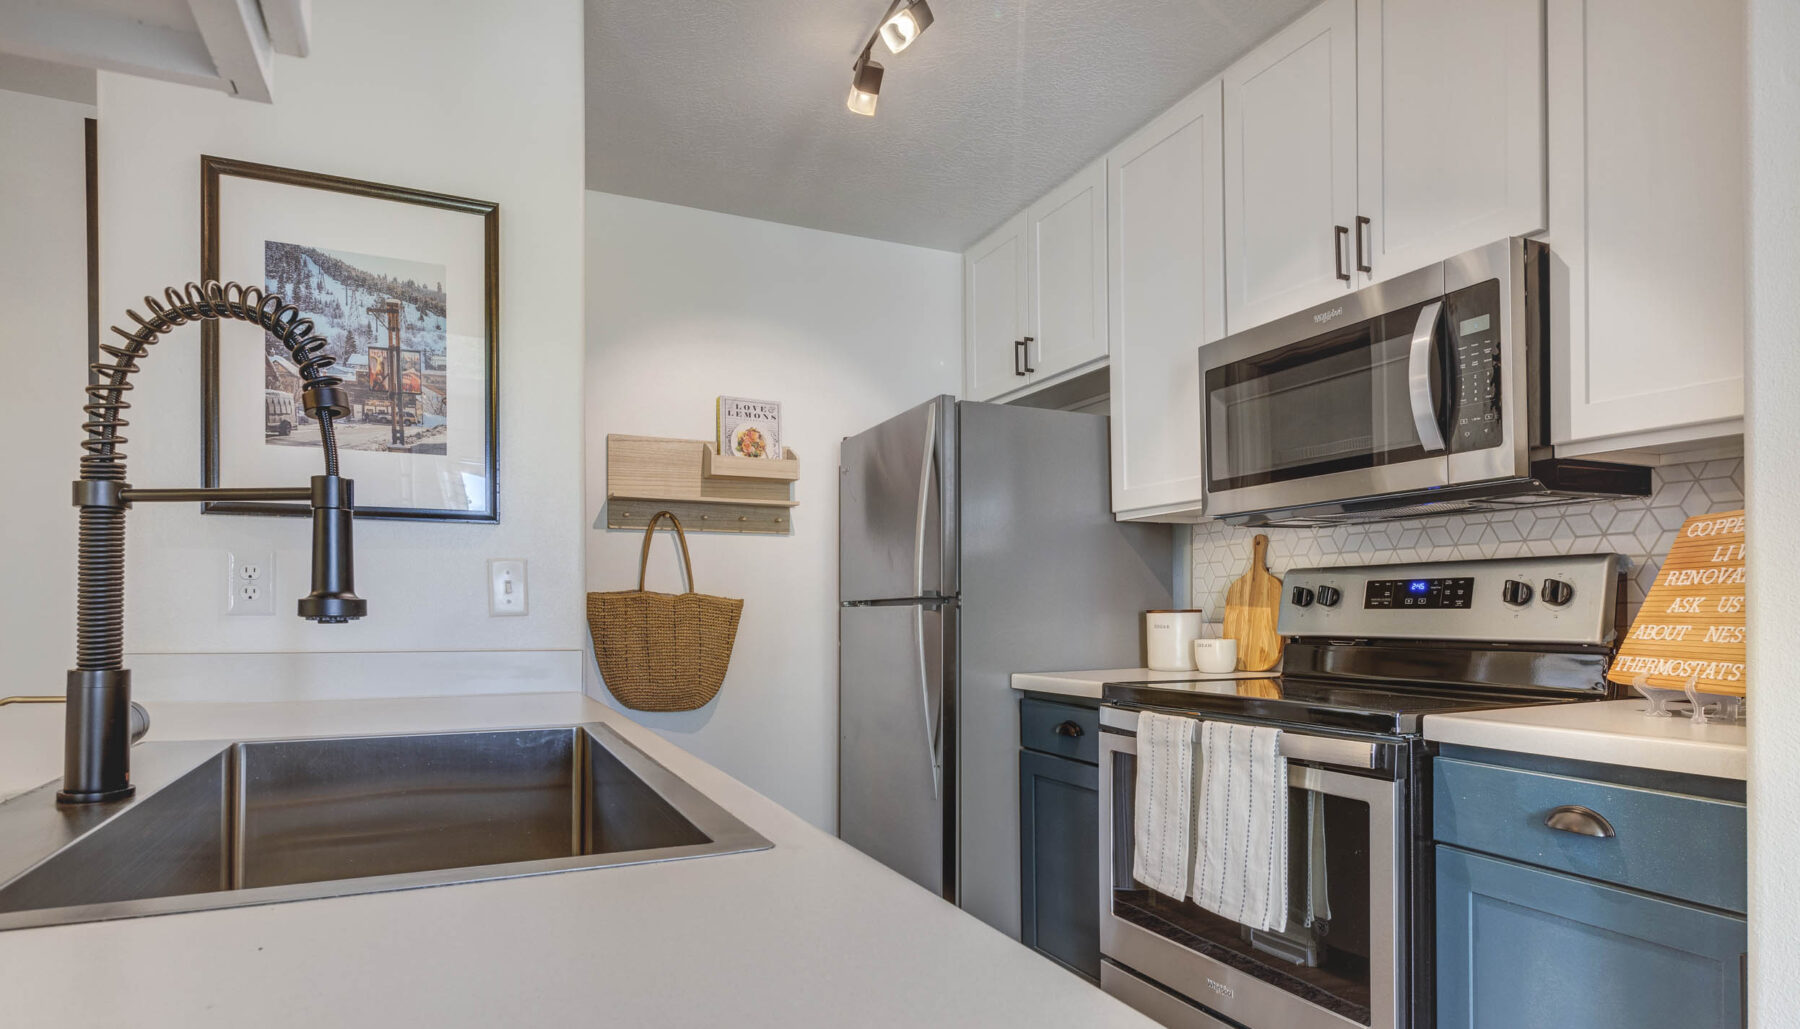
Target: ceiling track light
865, 86
903, 22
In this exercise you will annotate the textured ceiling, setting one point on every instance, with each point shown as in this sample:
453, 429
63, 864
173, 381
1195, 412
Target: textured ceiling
738, 105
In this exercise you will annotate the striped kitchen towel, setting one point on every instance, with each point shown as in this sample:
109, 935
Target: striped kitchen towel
1163, 816
1241, 872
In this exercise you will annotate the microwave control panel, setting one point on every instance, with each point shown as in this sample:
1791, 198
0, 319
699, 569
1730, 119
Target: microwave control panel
1474, 317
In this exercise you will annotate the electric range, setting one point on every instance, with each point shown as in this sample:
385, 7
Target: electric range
1369, 652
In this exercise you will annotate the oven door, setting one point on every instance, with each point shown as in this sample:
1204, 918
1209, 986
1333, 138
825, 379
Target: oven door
1404, 387
1337, 962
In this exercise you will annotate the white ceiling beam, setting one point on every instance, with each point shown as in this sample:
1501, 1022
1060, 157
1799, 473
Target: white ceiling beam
95, 39
290, 26
239, 45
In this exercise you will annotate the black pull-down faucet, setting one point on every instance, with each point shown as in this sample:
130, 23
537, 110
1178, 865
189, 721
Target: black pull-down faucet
98, 731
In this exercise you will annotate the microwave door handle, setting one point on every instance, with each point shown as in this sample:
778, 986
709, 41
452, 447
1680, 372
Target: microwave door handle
1418, 378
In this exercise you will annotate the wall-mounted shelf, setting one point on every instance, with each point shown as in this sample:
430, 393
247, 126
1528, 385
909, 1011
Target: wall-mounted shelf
715, 465
708, 491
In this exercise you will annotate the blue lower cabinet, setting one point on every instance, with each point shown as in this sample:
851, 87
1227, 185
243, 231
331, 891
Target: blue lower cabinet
1059, 856
1520, 946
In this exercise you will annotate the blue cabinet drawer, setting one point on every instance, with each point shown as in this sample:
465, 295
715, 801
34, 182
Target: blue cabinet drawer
1673, 844
1521, 947
1066, 730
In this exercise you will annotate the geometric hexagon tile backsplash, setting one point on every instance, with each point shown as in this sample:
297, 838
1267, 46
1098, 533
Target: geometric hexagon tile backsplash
1640, 529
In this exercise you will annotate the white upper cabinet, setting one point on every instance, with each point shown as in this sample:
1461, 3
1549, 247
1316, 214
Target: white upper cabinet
1450, 129
1066, 238
1647, 219
1166, 297
1290, 167
994, 312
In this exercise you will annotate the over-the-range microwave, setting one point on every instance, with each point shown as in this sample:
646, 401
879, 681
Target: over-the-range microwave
1421, 395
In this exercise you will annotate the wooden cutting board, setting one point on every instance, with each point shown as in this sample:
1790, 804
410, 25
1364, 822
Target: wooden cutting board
1251, 607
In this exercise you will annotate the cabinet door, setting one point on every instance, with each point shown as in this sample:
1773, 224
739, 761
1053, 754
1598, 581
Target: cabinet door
1290, 168
1059, 859
1067, 257
1647, 218
1519, 946
1166, 297
994, 290
1449, 127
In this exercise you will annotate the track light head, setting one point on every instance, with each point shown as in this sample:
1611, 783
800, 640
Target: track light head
865, 86
904, 25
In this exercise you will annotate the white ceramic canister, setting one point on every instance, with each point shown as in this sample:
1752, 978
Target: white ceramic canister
1169, 637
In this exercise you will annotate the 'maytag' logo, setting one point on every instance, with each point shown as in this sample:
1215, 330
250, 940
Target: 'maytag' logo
1324, 316
1220, 988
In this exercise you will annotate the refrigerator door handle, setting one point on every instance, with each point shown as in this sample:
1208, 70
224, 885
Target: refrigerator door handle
924, 508
934, 719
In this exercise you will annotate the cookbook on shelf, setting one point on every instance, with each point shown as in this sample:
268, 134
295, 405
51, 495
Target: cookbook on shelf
750, 428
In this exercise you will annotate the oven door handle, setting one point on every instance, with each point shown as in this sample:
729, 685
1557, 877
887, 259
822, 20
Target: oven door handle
1418, 378
1296, 746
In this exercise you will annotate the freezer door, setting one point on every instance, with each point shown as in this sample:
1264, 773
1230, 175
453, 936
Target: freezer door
896, 798
893, 491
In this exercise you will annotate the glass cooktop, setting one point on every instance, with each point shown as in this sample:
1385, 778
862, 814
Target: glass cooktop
1362, 707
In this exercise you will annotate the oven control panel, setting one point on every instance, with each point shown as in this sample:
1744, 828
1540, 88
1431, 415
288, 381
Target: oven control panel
1556, 599
1390, 593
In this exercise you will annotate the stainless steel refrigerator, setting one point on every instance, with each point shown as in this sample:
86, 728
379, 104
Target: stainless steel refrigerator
974, 541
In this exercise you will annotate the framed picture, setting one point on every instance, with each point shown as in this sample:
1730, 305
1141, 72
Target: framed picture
404, 286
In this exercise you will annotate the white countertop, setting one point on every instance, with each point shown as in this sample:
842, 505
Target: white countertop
1613, 732
1087, 684
809, 933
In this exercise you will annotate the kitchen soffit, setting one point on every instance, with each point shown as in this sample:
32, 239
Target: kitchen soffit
738, 105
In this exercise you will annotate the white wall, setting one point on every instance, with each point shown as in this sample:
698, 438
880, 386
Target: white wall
685, 305
43, 347
1772, 381
464, 97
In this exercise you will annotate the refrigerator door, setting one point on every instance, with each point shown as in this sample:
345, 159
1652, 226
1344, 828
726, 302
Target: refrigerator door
894, 541
896, 797
1049, 580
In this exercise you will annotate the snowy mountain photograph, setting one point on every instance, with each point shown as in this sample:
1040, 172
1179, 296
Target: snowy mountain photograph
361, 303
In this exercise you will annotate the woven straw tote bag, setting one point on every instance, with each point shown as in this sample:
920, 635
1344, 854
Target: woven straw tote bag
663, 651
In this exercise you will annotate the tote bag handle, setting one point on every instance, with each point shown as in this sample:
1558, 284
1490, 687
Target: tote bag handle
687, 561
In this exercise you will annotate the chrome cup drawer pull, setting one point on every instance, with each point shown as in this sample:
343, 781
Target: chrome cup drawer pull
1579, 820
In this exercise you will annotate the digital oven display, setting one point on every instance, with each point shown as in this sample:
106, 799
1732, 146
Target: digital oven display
1416, 593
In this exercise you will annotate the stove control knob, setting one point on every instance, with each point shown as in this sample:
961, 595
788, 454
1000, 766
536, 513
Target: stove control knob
1516, 593
1302, 597
1557, 592
1329, 596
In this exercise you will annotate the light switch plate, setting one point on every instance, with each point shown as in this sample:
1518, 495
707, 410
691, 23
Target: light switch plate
506, 586
250, 582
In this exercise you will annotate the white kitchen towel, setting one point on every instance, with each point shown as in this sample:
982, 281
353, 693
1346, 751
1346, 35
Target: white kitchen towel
1241, 872
1163, 814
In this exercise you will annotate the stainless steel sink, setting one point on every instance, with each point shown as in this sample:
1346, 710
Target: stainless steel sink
228, 824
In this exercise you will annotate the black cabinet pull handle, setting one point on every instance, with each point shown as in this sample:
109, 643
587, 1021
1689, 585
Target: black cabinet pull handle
1070, 729
1362, 263
1018, 357
1579, 820
1029, 340
1340, 242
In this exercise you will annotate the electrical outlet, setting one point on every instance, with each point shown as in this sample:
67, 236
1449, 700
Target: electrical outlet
250, 582
506, 587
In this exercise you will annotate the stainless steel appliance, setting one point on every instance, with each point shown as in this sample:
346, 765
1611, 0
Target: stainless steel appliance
975, 540
1425, 394
1371, 650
